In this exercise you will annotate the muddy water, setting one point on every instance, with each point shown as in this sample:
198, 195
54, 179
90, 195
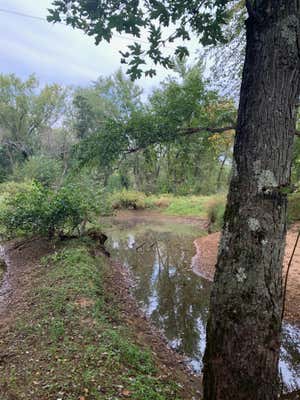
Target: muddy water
159, 254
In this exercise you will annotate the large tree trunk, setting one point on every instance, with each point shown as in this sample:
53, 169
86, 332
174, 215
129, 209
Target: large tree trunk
241, 358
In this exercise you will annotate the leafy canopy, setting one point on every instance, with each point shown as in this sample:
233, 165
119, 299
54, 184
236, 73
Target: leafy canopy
180, 104
173, 18
26, 110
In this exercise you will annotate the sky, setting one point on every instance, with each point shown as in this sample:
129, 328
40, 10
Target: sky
57, 53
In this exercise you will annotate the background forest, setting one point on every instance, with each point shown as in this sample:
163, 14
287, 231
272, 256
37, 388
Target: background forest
107, 146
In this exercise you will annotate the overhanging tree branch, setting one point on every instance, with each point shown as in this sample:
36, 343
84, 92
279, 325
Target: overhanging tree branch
184, 131
191, 131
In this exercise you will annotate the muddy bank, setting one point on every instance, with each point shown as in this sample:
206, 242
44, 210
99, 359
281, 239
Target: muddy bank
22, 265
206, 258
24, 276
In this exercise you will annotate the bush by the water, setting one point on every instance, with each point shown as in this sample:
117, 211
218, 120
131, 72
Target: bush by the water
128, 199
31, 208
215, 213
44, 170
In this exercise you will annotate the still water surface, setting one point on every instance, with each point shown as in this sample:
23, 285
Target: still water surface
159, 254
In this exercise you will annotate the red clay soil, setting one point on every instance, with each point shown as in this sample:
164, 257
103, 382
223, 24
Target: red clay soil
205, 260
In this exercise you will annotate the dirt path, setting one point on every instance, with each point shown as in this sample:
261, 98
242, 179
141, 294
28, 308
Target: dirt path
206, 258
22, 267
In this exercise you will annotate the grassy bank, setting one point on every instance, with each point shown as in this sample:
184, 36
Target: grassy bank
70, 342
207, 207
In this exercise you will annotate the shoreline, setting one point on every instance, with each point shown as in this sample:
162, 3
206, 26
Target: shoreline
204, 262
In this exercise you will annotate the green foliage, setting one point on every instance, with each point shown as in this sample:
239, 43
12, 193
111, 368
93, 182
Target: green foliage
150, 143
128, 199
146, 144
117, 182
111, 98
294, 207
102, 20
25, 111
296, 161
11, 188
47, 171
215, 209
34, 209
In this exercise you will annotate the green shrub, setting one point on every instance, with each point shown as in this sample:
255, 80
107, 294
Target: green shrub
42, 169
34, 209
215, 209
128, 199
294, 208
117, 182
11, 188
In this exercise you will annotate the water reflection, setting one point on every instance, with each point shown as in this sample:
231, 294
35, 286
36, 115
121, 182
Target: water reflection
175, 298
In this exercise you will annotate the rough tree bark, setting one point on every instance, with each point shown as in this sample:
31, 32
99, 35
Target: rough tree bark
241, 358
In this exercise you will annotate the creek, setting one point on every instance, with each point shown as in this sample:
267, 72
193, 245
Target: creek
159, 253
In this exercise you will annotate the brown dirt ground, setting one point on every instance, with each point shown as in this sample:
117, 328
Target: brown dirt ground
23, 267
23, 273
205, 260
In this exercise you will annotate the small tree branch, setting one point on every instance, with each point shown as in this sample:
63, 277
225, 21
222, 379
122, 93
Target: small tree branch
297, 133
191, 131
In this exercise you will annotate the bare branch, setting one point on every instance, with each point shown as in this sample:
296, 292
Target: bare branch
191, 131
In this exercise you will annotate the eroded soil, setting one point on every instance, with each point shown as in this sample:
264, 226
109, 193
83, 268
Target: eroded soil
205, 260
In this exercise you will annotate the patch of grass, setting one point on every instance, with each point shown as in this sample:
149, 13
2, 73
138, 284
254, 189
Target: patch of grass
210, 207
187, 206
71, 343
128, 199
215, 208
